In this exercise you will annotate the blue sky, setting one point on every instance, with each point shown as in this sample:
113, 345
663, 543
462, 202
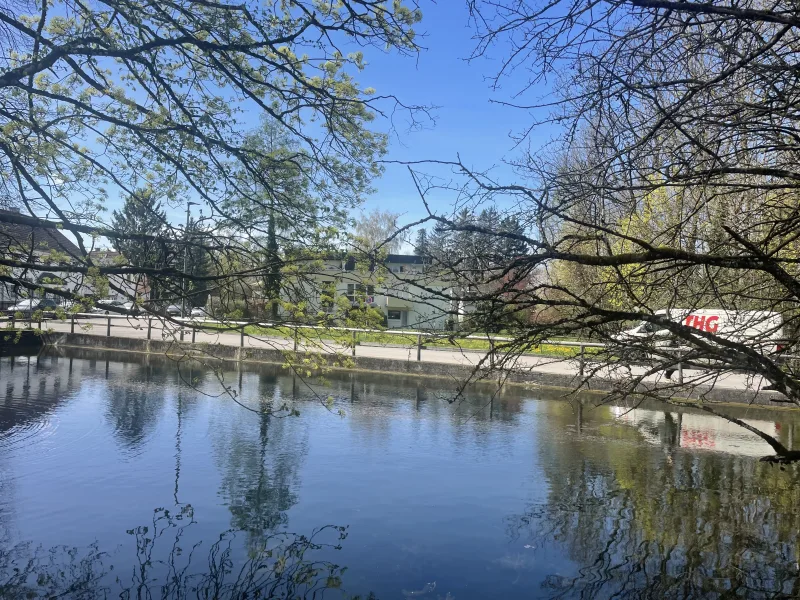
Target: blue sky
466, 122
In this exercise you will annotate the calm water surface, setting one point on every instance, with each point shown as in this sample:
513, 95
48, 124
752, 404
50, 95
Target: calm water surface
118, 479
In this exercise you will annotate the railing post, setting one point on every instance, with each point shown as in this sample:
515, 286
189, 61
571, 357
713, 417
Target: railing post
13, 319
354, 343
491, 353
241, 338
581, 361
72, 324
194, 331
149, 327
108, 327
680, 371
419, 347
181, 326
295, 339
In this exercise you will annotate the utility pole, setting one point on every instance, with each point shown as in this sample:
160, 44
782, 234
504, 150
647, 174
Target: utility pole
185, 259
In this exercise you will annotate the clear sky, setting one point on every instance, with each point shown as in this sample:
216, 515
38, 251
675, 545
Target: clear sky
467, 123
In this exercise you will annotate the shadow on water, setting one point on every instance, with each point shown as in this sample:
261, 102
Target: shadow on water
283, 565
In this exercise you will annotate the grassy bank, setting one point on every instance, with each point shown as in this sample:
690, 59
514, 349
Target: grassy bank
346, 338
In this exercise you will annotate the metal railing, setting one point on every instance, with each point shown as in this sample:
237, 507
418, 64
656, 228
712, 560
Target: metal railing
419, 337
206, 325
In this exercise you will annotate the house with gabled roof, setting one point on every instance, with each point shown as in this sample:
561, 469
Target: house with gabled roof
46, 248
40, 246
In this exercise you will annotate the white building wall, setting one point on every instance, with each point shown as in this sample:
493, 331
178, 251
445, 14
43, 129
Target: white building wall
405, 305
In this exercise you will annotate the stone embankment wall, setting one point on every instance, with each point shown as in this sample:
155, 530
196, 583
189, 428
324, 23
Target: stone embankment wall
534, 379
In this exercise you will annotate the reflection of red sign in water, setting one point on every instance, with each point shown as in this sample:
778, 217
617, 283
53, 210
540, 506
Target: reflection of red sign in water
709, 324
697, 438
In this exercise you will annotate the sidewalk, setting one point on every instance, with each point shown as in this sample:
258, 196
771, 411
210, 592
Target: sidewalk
564, 371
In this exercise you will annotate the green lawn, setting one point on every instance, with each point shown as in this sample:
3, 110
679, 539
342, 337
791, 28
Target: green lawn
410, 340
453, 342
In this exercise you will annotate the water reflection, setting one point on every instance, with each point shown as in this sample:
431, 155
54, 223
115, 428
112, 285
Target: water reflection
260, 456
284, 565
699, 431
672, 524
493, 497
31, 388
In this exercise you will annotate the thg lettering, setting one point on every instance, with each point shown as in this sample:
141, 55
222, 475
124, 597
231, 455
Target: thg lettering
709, 324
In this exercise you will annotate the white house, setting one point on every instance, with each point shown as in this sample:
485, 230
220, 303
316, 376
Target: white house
121, 287
402, 288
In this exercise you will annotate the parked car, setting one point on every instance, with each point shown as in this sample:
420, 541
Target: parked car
132, 308
31, 305
101, 309
81, 307
199, 313
173, 310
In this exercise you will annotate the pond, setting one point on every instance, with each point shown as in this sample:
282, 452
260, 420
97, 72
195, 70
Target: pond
131, 476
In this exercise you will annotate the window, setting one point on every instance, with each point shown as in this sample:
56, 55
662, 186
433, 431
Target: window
402, 268
359, 292
394, 315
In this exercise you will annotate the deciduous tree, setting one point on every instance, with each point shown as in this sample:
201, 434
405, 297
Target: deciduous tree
673, 183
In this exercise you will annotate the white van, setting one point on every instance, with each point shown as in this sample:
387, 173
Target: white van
763, 328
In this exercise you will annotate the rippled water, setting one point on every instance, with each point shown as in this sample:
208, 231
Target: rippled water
117, 477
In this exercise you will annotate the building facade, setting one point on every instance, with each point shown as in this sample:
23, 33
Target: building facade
44, 250
408, 294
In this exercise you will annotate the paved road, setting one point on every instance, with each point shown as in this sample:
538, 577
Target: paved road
137, 328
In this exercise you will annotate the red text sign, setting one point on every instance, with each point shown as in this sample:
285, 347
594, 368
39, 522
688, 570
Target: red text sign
702, 322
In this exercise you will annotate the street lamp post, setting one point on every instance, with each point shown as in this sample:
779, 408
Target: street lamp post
185, 261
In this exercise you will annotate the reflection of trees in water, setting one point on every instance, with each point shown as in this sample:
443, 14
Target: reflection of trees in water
282, 566
259, 456
133, 409
673, 524
136, 401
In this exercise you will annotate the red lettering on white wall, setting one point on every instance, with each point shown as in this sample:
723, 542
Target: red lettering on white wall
703, 323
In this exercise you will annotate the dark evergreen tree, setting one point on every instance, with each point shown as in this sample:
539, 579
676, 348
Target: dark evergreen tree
510, 248
142, 215
421, 246
276, 209
198, 266
272, 278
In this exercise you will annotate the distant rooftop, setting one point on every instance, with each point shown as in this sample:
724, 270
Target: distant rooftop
30, 238
104, 257
405, 258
